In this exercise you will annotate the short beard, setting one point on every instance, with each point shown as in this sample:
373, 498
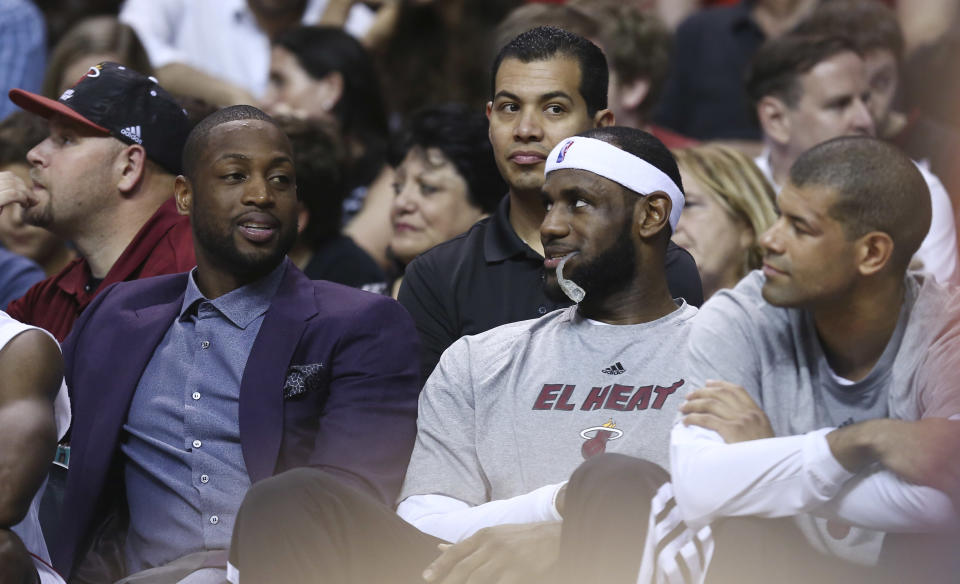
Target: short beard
610, 272
222, 249
38, 216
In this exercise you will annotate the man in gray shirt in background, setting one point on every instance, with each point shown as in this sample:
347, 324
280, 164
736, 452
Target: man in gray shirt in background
509, 414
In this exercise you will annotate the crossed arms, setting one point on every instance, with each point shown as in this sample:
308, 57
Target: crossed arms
888, 475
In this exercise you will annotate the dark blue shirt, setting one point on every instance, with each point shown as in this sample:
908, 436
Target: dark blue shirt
184, 468
705, 96
17, 275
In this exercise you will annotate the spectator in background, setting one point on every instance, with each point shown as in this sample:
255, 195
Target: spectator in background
873, 28
433, 52
447, 180
808, 89
23, 49
570, 17
729, 204
321, 72
322, 251
704, 96
324, 73
638, 48
92, 40
17, 273
219, 50
103, 179
19, 133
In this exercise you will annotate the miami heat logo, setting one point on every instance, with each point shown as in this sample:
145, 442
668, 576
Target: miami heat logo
597, 438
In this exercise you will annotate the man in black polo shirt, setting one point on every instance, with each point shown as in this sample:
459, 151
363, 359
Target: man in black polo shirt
548, 84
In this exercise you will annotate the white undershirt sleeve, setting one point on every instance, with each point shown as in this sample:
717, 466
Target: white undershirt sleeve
773, 477
454, 520
779, 477
883, 501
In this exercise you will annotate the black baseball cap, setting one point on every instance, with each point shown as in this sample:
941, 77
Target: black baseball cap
119, 102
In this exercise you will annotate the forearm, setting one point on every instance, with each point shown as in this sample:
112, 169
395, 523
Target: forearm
772, 477
182, 79
882, 501
454, 520
28, 440
914, 474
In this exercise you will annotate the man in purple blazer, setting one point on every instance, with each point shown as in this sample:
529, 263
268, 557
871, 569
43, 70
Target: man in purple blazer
188, 388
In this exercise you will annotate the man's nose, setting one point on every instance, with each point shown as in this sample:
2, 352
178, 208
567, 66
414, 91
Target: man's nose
529, 126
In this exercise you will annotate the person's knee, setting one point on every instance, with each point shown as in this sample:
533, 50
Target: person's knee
284, 494
613, 471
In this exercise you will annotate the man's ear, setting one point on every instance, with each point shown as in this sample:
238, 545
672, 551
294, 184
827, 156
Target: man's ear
873, 252
633, 93
772, 114
183, 195
652, 214
303, 217
132, 162
603, 118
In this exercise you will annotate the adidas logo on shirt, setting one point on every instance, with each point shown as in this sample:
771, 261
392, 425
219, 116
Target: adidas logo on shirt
615, 369
133, 132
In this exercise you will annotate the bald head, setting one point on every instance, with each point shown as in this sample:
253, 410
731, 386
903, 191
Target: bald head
877, 188
197, 140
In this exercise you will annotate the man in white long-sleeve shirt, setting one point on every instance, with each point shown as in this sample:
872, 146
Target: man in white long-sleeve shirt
828, 379
509, 414
809, 88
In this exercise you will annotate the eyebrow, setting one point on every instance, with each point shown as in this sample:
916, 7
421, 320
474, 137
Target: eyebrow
237, 155
233, 155
545, 97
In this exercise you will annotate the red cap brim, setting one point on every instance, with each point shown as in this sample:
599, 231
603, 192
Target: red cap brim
46, 108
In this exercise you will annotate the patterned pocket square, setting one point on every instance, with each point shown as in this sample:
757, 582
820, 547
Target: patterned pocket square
301, 379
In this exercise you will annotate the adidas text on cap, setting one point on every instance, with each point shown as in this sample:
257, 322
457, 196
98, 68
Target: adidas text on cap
119, 102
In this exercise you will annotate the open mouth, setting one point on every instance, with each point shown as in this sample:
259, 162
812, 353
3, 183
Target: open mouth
257, 231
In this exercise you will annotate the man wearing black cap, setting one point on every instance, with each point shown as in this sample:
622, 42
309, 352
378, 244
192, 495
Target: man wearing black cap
103, 179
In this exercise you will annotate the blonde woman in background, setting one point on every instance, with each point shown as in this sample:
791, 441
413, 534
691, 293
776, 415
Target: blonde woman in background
728, 205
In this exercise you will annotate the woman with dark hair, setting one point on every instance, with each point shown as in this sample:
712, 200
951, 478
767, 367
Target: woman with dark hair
322, 251
324, 73
446, 180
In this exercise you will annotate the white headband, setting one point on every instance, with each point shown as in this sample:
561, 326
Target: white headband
621, 167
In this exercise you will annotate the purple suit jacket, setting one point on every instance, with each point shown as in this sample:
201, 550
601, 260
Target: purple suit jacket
359, 422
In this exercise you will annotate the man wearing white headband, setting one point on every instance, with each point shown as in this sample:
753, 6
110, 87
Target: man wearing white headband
547, 84
510, 414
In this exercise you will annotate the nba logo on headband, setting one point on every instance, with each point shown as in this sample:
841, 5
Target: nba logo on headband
563, 151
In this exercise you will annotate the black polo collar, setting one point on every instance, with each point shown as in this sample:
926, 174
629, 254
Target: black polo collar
501, 242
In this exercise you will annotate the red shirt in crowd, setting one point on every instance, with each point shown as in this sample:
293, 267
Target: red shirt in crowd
164, 245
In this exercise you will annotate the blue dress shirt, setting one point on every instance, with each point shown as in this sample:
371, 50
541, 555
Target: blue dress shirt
184, 468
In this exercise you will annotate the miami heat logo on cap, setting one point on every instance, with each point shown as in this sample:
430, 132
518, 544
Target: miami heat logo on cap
597, 437
563, 152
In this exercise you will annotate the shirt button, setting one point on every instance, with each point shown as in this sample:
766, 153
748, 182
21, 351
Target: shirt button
214, 520
542, 309
204, 479
205, 344
197, 444
196, 395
